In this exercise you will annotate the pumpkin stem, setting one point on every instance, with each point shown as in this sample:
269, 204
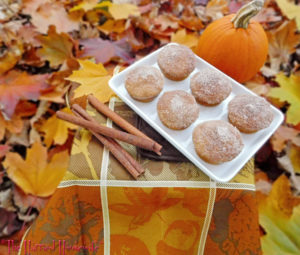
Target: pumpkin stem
243, 16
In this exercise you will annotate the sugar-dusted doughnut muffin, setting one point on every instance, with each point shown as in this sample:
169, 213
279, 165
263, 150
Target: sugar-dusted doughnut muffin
176, 62
209, 87
144, 83
177, 109
217, 141
249, 113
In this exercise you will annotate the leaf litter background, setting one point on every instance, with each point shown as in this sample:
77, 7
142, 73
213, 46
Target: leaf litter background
53, 52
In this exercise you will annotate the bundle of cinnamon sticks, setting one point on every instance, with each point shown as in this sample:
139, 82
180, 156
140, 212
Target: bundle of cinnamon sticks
108, 135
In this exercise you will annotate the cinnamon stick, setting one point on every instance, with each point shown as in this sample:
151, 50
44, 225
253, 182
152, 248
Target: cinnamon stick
114, 150
110, 132
77, 108
120, 121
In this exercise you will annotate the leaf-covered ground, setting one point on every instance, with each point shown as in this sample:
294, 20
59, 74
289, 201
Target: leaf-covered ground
52, 53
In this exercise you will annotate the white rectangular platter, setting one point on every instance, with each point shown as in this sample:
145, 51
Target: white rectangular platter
182, 139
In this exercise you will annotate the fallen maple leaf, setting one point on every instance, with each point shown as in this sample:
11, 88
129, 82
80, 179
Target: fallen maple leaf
214, 10
28, 35
279, 215
258, 85
56, 130
123, 11
15, 125
35, 175
282, 135
46, 12
290, 10
295, 158
86, 5
112, 26
286, 164
165, 21
56, 48
104, 50
288, 91
282, 43
267, 15
15, 86
11, 56
182, 37
93, 79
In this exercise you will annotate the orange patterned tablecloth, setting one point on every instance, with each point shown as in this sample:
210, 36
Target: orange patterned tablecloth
172, 209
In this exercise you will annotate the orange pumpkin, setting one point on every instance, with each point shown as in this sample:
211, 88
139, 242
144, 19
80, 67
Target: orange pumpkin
234, 44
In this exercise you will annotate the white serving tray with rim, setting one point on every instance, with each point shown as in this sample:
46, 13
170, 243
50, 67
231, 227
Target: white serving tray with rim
182, 139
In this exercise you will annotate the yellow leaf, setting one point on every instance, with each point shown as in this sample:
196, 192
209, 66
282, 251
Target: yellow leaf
190, 40
56, 48
279, 216
290, 10
93, 79
35, 175
288, 91
56, 130
110, 26
295, 158
86, 5
123, 11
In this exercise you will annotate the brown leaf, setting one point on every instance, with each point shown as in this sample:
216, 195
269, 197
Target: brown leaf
14, 125
215, 9
282, 43
267, 15
11, 56
258, 85
28, 35
282, 135
56, 48
166, 21
286, 164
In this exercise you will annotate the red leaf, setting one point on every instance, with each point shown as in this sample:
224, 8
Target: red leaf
15, 86
104, 50
3, 150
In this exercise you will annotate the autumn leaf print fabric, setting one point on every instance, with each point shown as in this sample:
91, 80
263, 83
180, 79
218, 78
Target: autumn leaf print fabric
174, 209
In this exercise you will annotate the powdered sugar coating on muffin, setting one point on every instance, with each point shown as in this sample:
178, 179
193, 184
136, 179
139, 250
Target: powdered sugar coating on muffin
209, 87
177, 109
217, 141
250, 113
176, 62
144, 83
